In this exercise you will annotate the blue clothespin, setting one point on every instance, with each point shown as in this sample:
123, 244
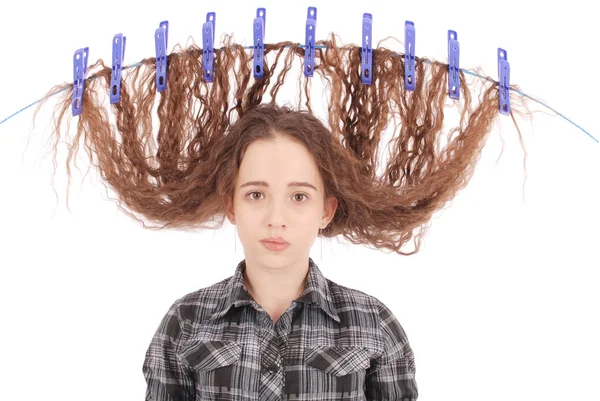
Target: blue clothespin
309, 47
504, 81
161, 37
119, 42
453, 65
367, 49
259, 44
208, 40
80, 62
409, 55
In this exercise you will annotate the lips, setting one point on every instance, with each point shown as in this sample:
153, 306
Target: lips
277, 240
275, 246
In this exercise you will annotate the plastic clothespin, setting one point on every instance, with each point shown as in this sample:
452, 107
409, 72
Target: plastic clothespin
80, 63
409, 55
309, 48
453, 65
161, 37
504, 81
208, 40
119, 42
259, 44
367, 49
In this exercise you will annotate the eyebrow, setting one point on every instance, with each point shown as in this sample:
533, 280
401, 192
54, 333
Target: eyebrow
291, 184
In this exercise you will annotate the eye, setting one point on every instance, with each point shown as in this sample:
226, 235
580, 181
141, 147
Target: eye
251, 193
255, 192
301, 194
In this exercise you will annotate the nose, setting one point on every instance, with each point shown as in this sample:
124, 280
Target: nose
276, 217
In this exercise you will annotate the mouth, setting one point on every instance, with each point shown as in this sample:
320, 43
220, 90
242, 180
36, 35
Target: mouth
278, 241
274, 246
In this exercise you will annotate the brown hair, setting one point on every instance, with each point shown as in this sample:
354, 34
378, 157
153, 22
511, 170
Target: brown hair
183, 177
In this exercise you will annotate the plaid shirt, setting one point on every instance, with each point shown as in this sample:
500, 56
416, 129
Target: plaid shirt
332, 343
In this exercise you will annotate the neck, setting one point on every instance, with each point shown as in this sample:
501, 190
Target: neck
275, 287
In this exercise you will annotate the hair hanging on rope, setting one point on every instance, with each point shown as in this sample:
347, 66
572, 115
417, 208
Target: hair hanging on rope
183, 177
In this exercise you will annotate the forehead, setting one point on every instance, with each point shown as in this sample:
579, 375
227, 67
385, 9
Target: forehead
278, 162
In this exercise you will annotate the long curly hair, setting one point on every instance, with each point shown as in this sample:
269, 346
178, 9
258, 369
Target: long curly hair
183, 176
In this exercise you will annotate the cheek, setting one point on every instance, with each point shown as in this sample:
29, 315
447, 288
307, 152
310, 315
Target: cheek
309, 233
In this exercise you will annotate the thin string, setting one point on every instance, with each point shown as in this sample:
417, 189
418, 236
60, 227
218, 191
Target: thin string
135, 65
321, 244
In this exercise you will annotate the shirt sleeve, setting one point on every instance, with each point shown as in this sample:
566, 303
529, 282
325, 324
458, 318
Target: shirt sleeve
392, 376
166, 377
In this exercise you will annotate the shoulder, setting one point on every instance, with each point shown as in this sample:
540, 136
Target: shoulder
346, 298
209, 293
369, 306
199, 304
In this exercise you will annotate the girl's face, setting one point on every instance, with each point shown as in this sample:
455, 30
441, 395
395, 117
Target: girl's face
279, 193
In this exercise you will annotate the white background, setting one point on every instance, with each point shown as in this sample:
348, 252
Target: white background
500, 303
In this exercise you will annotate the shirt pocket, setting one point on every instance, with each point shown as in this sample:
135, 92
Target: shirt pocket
216, 369
204, 355
335, 372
